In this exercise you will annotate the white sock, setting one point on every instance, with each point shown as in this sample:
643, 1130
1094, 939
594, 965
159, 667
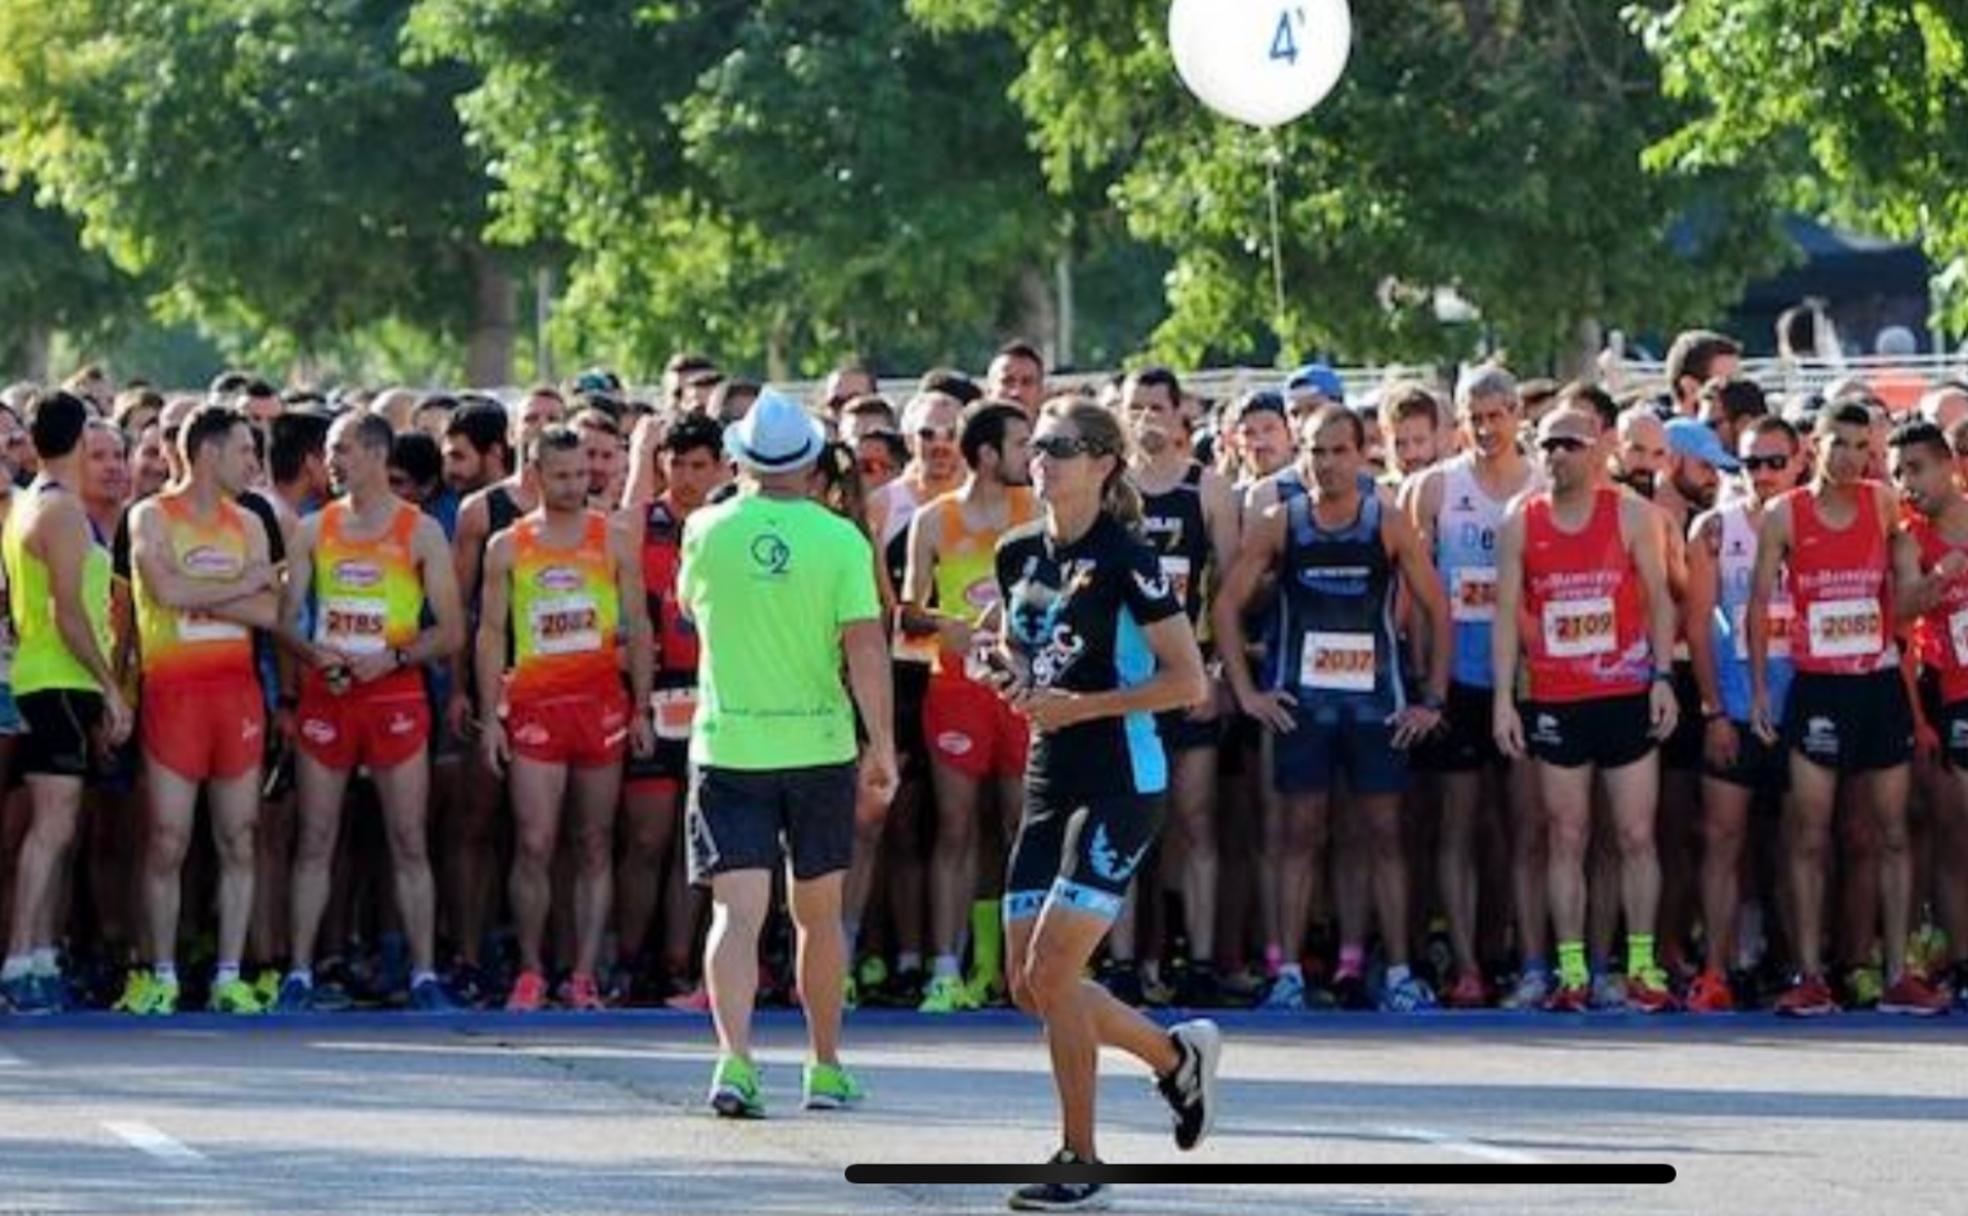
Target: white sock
1291, 970
303, 974
946, 964
164, 973
17, 966
851, 931
418, 977
44, 961
1397, 976
227, 973
907, 961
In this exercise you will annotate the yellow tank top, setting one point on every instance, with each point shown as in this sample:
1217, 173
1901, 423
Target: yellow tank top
41, 659
966, 560
565, 614
195, 647
368, 595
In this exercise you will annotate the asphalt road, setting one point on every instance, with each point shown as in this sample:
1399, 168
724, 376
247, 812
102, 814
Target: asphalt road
564, 1113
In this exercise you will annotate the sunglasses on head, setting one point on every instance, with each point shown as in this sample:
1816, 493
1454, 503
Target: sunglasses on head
1776, 464
1562, 443
1062, 447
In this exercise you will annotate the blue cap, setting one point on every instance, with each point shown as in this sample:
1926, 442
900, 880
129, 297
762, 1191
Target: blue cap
1320, 378
1691, 437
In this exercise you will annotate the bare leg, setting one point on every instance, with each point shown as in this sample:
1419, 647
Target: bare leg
537, 792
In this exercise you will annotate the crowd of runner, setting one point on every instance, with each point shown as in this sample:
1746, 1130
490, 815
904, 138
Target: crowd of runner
1521, 694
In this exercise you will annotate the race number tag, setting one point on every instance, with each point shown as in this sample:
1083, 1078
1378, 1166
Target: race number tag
354, 624
1337, 662
565, 624
1574, 629
1176, 570
1845, 629
676, 710
1781, 614
1958, 634
1473, 594
200, 627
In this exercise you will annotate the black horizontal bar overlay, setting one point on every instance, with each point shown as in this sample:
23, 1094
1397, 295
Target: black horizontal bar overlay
1392, 1174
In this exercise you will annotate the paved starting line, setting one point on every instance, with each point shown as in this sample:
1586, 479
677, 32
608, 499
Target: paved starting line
147, 1139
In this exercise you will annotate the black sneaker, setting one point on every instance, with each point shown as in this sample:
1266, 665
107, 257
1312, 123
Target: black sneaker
1350, 993
1062, 1196
1190, 1090
1196, 987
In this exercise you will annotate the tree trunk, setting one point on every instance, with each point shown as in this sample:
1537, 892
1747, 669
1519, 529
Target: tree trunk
1062, 352
1038, 312
494, 326
35, 347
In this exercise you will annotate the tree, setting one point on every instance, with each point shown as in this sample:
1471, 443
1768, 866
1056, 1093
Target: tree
1492, 146
805, 180
273, 163
49, 282
1855, 110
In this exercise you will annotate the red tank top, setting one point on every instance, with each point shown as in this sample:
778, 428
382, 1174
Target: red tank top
662, 554
1582, 619
1940, 637
1842, 624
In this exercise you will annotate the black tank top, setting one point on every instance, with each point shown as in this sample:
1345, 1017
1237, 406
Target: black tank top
1173, 525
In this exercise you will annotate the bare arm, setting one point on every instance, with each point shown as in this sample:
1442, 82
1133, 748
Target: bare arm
1648, 541
300, 580
1255, 553
260, 610
1703, 589
1509, 600
446, 634
1220, 517
634, 614
1426, 588
1772, 547
865, 646
165, 582
493, 626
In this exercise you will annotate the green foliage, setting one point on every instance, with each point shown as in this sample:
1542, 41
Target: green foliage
272, 162
48, 281
1854, 109
1494, 147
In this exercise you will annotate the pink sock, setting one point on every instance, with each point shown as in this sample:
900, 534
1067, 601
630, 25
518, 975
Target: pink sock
1351, 960
1274, 958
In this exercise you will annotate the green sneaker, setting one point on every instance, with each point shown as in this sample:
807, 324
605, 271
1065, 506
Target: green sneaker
986, 991
158, 1000
946, 994
735, 1090
872, 974
135, 986
1864, 986
830, 1087
267, 987
236, 996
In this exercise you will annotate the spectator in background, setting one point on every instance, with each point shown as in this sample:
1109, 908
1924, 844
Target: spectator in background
1729, 406
432, 415
150, 471
867, 414
137, 408
1698, 356
1945, 405
698, 390
1311, 388
1538, 397
731, 400
881, 456
1412, 415
676, 373
950, 383
93, 385
261, 403
1017, 374
846, 384
395, 406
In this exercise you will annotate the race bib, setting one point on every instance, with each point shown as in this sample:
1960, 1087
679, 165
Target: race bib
1337, 662
1780, 618
982, 595
1847, 629
565, 624
1473, 594
1176, 570
676, 710
1574, 629
354, 625
1958, 634
200, 627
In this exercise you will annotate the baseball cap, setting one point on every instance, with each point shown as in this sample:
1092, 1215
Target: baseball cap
1690, 437
1319, 378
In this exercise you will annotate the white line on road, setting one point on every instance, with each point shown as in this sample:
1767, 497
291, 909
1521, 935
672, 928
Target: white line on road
148, 1139
9, 1060
1459, 1144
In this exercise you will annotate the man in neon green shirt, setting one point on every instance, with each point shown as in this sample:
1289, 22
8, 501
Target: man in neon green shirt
780, 590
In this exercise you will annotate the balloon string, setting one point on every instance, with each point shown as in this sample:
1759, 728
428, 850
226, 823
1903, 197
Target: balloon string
1277, 241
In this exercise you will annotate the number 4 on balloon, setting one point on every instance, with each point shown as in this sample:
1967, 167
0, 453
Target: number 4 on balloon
1284, 42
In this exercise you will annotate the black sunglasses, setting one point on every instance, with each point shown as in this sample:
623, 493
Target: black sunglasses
1063, 447
1776, 464
931, 434
1562, 443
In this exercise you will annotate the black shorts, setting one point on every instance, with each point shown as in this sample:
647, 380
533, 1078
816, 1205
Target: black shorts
1081, 852
1683, 749
1181, 733
669, 762
1850, 724
745, 820
61, 732
1606, 732
1467, 741
1325, 743
911, 689
1758, 766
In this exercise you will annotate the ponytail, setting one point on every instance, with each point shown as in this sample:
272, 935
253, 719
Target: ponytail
1121, 499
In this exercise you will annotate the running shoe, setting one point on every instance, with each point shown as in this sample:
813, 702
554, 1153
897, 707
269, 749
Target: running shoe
159, 999
135, 985
1156, 992
1190, 1090
1927, 950
1961, 987
25, 995
52, 992
267, 987
428, 996
1287, 993
735, 1090
1196, 987
582, 994
1062, 1196
947, 994
468, 986
1408, 996
1711, 994
1240, 988
1807, 997
987, 991
1350, 992
1468, 993
1532, 992
1863, 987
850, 993
330, 996
697, 1000
1608, 991
1914, 996
529, 993
296, 996
829, 1087
235, 996
1647, 992
1574, 999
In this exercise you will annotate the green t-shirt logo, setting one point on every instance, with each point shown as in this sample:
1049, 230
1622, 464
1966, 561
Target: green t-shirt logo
771, 553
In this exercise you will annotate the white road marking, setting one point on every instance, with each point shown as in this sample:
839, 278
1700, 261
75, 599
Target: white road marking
9, 1060
1462, 1145
144, 1137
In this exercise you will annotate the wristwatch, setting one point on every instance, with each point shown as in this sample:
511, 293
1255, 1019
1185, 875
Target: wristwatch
1430, 701
401, 657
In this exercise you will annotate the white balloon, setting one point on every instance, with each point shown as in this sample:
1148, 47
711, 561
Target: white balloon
1262, 62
